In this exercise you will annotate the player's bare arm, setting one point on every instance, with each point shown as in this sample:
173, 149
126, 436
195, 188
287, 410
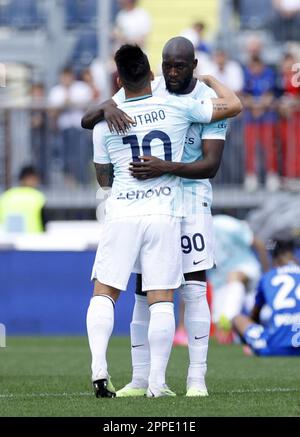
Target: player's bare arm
227, 104
104, 174
255, 312
152, 167
116, 119
241, 322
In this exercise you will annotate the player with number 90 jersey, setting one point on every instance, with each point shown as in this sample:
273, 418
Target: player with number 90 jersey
160, 129
197, 192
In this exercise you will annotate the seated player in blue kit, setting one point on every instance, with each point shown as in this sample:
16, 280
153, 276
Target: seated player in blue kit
279, 290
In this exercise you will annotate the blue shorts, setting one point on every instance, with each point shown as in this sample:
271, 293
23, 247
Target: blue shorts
258, 338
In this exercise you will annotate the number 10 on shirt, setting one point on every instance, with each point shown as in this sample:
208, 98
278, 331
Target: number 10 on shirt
132, 140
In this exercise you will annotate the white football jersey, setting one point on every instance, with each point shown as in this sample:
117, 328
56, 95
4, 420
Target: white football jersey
160, 129
196, 191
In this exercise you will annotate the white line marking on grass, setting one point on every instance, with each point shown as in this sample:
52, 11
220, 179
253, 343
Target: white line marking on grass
44, 395
89, 394
260, 390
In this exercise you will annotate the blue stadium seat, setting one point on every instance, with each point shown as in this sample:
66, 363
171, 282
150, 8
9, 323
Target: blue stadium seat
89, 11
21, 14
254, 14
85, 50
71, 13
80, 12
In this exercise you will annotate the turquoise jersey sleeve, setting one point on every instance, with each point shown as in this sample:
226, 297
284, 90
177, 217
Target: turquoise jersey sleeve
215, 131
196, 111
101, 155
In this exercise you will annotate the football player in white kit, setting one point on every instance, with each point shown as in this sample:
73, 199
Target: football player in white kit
142, 224
202, 141
179, 80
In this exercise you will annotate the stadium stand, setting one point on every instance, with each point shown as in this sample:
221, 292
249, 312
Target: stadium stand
85, 50
21, 14
170, 21
48, 35
80, 12
254, 14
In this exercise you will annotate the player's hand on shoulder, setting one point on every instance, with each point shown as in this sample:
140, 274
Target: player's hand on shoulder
148, 167
205, 78
117, 120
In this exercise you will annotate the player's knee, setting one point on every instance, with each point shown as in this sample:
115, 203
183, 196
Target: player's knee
237, 277
160, 296
240, 323
106, 290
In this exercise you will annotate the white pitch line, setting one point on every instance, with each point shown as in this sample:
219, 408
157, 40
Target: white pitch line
89, 394
43, 395
259, 390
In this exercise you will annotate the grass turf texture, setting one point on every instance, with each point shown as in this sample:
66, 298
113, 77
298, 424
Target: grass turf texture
46, 376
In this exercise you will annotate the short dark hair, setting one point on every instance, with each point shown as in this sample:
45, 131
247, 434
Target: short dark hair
281, 247
133, 67
28, 170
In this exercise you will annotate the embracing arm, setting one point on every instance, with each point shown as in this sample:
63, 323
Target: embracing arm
227, 104
108, 111
204, 168
207, 167
93, 116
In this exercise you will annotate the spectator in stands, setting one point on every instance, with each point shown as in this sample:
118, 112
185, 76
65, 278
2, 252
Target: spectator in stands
68, 100
260, 122
227, 71
286, 25
253, 14
289, 109
231, 74
88, 78
133, 24
39, 129
253, 47
21, 208
202, 50
103, 77
195, 35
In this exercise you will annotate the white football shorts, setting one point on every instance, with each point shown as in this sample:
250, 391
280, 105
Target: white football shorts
152, 241
197, 243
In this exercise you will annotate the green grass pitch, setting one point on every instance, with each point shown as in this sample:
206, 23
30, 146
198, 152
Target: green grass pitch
49, 376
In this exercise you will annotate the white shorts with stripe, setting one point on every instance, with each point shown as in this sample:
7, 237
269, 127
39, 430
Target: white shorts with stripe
197, 243
151, 241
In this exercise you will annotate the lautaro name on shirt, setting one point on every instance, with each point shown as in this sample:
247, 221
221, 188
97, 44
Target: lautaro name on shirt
148, 117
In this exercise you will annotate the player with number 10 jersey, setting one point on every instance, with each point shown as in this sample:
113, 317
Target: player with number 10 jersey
196, 229
160, 129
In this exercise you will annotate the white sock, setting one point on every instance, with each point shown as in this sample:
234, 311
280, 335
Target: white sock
100, 323
234, 298
140, 350
197, 324
160, 335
